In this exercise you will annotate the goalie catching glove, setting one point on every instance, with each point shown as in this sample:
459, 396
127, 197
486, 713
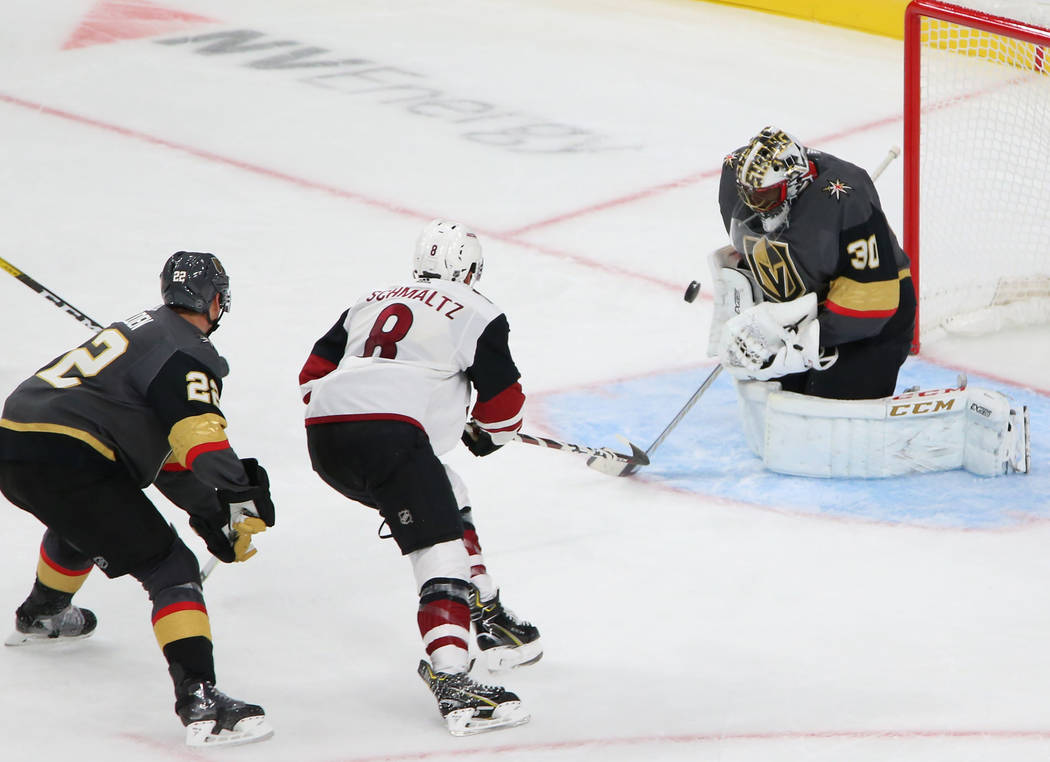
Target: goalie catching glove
772, 339
240, 514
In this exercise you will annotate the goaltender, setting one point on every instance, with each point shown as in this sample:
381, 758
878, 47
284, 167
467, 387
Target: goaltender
814, 314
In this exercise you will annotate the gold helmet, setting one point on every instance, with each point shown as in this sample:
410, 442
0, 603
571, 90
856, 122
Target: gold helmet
771, 172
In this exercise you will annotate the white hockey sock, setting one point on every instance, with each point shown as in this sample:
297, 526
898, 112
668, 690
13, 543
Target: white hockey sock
444, 612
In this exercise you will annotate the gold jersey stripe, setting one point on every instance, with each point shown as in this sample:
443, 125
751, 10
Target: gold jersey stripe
880, 296
59, 581
188, 623
194, 431
69, 431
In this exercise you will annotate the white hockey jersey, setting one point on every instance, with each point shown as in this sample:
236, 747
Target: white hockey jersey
412, 352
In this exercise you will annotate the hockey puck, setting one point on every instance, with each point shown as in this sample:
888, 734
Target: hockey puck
691, 291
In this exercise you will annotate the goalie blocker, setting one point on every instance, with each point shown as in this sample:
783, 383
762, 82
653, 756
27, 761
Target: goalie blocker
915, 432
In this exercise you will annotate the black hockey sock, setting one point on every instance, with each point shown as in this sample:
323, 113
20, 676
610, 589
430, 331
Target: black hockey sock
44, 600
190, 660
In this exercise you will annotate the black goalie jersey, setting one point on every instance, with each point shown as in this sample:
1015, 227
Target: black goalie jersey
838, 244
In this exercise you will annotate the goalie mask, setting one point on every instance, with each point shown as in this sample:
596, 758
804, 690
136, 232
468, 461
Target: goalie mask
191, 280
448, 251
771, 172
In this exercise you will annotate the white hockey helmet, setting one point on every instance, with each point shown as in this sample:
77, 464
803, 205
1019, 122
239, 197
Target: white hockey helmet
449, 251
770, 173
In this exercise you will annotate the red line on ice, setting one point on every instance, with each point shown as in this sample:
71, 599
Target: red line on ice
690, 179
332, 190
708, 738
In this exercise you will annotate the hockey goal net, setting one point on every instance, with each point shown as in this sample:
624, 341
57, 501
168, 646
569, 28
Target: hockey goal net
977, 168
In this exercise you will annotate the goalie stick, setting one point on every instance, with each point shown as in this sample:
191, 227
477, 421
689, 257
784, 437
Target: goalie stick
51, 296
631, 468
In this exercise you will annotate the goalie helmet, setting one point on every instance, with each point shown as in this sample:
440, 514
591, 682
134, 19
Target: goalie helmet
770, 173
191, 280
448, 251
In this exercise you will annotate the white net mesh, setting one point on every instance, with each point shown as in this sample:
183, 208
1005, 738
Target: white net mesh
1035, 12
984, 176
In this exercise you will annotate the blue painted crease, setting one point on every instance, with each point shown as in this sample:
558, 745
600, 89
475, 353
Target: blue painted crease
707, 454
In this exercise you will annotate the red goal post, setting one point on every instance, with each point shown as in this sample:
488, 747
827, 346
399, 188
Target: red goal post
976, 168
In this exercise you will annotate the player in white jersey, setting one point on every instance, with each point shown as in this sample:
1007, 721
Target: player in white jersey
387, 390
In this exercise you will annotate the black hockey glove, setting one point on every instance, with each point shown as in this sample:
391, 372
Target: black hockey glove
249, 511
478, 441
255, 499
213, 528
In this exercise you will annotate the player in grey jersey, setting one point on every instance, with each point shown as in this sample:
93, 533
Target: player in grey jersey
137, 404
387, 389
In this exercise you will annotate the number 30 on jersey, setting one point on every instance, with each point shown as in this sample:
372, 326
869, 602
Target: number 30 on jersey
864, 253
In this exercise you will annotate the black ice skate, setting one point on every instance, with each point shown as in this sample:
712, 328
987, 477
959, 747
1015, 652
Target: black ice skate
214, 719
31, 628
504, 640
470, 707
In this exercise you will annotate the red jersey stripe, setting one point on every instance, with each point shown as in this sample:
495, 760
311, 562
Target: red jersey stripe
838, 309
200, 449
503, 407
363, 417
316, 367
175, 608
61, 569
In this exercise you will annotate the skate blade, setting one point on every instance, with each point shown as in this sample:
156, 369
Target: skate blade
248, 730
503, 658
17, 638
462, 722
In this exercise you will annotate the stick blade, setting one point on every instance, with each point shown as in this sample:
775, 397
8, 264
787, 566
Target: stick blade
613, 463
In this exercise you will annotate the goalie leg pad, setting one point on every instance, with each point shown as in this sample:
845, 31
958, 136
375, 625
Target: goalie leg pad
933, 430
996, 435
751, 399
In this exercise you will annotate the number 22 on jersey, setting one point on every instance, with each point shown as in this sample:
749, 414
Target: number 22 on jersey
83, 362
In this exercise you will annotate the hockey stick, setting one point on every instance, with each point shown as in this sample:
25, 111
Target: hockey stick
605, 460
51, 296
211, 563
208, 568
894, 152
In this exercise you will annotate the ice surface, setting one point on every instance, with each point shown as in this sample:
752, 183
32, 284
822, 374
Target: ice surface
582, 138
